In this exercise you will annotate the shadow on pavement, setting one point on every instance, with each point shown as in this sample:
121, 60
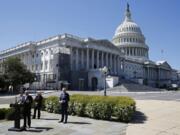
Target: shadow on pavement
48, 119
138, 117
38, 129
79, 123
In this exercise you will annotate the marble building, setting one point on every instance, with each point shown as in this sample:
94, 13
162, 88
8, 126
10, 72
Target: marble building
77, 62
70, 59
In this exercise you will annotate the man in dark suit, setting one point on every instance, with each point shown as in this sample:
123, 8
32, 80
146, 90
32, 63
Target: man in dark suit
64, 99
27, 109
37, 105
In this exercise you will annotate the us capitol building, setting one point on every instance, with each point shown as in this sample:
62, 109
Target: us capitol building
70, 60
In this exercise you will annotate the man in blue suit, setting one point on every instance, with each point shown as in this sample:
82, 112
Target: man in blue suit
64, 99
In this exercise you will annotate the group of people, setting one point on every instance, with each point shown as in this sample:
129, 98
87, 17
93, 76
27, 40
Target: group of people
26, 101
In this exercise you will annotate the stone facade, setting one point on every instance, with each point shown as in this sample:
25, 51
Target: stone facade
67, 58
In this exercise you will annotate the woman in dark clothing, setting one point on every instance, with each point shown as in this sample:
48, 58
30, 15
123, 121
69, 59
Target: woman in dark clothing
37, 105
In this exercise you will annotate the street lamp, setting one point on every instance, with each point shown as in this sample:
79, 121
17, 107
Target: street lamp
104, 70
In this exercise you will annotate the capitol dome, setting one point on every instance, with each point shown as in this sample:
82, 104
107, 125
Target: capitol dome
129, 38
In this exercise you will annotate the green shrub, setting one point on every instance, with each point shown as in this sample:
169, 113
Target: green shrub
3, 113
98, 107
78, 104
124, 109
10, 115
52, 104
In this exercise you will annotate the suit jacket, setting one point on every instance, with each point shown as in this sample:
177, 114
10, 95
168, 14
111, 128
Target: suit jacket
64, 97
38, 101
27, 102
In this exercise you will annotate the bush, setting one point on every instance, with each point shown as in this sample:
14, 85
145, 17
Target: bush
3, 113
124, 109
10, 115
77, 105
98, 107
7, 113
52, 104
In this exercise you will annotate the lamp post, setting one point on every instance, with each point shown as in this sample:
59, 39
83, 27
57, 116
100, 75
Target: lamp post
104, 70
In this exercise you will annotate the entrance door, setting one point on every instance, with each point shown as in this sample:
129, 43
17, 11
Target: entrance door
94, 83
81, 84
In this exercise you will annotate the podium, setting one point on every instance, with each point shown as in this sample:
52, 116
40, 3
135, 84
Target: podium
17, 119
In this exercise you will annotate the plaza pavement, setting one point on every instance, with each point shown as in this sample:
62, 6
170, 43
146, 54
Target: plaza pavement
155, 118
48, 125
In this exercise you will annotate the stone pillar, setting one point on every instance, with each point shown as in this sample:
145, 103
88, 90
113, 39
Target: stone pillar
97, 58
77, 59
43, 60
82, 58
102, 59
71, 58
92, 58
115, 64
111, 64
87, 59
107, 64
133, 51
49, 58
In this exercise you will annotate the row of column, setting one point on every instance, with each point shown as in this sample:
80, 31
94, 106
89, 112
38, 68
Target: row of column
37, 61
131, 51
154, 73
91, 59
164, 74
151, 73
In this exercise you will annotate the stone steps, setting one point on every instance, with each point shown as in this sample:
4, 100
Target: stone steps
132, 87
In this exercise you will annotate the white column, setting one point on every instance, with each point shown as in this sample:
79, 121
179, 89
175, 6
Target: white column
92, 58
77, 59
71, 58
49, 58
115, 62
102, 59
97, 58
132, 51
117, 65
111, 64
141, 52
43, 60
107, 60
87, 59
82, 58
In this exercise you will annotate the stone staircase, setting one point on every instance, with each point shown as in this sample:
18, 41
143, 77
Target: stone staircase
128, 86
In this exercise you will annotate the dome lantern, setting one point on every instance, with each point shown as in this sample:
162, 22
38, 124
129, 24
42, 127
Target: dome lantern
128, 14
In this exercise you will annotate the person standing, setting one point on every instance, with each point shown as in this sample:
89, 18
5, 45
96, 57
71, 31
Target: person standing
27, 109
64, 99
37, 105
21, 98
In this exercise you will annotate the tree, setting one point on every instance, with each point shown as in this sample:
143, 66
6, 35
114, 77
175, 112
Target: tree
16, 73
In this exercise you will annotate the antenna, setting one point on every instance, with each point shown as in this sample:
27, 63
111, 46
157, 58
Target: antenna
162, 54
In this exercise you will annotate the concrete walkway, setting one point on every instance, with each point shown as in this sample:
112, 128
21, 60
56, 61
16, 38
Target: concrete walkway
153, 117
156, 118
48, 125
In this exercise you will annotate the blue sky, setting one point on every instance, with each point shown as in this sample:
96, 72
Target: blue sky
23, 20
